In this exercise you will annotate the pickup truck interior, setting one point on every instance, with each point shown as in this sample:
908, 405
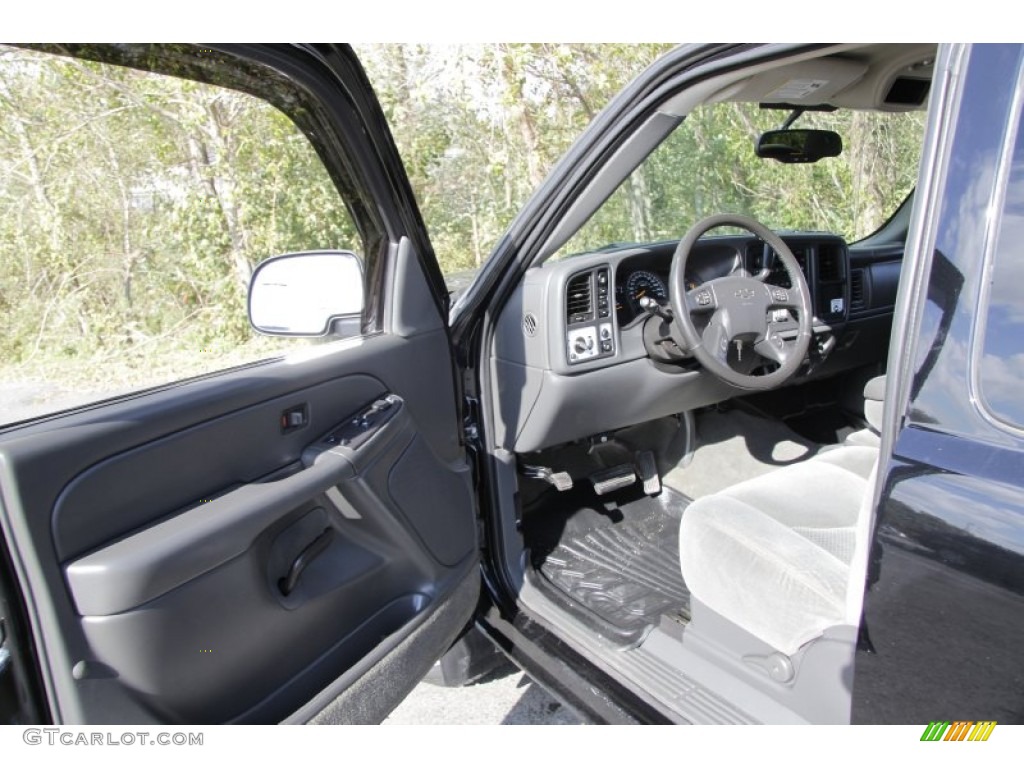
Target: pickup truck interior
672, 380
686, 427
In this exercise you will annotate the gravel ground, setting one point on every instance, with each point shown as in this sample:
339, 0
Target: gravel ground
503, 698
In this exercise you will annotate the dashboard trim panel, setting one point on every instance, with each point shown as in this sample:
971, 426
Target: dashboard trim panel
559, 384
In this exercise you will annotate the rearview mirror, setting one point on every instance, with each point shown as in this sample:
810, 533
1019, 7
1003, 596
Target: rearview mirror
799, 145
315, 293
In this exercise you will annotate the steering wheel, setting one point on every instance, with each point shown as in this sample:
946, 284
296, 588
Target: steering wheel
739, 306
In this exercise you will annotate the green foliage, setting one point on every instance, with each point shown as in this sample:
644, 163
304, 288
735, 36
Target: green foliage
133, 207
708, 166
479, 126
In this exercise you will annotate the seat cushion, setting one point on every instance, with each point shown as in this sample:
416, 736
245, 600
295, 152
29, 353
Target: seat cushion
865, 437
772, 554
874, 402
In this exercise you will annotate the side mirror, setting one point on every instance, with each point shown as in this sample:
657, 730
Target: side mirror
799, 146
315, 293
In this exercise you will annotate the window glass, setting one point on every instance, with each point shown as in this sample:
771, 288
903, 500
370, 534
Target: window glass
133, 208
708, 166
1001, 364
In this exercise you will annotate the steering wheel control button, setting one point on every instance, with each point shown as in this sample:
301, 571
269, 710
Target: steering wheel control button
704, 298
780, 294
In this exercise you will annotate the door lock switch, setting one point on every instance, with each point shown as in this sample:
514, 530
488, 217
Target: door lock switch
294, 418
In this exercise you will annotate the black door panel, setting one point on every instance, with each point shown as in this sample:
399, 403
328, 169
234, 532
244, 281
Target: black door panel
163, 533
137, 486
290, 540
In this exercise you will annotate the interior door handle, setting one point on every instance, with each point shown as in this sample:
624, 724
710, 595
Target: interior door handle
118, 577
305, 557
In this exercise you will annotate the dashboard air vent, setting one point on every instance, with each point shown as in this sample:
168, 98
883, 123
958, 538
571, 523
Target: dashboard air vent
778, 274
857, 301
830, 265
579, 301
801, 259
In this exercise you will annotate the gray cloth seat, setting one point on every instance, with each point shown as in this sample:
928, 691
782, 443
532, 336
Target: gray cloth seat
874, 406
874, 403
773, 554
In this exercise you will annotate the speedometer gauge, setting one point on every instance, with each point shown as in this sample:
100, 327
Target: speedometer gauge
642, 283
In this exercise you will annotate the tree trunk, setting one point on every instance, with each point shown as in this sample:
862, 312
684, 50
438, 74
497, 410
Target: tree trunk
51, 214
518, 109
639, 206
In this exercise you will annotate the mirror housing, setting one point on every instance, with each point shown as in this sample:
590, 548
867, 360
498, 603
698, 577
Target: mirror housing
801, 145
313, 293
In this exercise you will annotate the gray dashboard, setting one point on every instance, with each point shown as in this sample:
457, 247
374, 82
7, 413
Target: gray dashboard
569, 358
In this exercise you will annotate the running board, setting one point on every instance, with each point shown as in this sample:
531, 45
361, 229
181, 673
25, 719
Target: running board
679, 696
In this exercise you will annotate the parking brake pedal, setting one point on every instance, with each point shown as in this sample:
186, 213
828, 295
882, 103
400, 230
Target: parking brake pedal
561, 480
647, 469
613, 478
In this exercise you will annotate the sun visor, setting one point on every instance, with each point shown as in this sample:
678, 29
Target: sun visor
801, 83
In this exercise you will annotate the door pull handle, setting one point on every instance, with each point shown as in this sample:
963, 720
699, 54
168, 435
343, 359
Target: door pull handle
316, 548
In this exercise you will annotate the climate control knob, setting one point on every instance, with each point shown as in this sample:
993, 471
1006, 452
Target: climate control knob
581, 345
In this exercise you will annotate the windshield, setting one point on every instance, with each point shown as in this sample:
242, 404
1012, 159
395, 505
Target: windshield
708, 166
480, 125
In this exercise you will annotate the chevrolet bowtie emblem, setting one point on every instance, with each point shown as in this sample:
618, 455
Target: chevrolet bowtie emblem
745, 293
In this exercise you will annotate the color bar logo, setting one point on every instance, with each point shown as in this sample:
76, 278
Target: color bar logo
960, 730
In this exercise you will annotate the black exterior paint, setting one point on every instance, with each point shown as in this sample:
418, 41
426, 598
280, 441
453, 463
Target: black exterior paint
944, 608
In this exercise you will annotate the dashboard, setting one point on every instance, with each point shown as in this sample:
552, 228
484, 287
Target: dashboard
823, 259
576, 348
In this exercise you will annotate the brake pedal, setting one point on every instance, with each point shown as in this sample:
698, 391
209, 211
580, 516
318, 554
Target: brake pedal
561, 480
613, 478
647, 469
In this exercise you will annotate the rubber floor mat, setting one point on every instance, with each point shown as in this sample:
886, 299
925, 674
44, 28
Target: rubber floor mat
612, 562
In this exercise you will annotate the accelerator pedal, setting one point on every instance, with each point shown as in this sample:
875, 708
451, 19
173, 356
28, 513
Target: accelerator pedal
647, 470
613, 479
